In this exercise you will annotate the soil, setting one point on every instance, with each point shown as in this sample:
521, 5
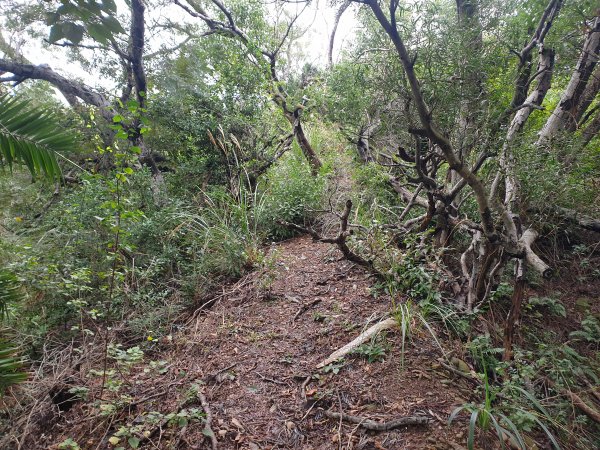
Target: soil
253, 354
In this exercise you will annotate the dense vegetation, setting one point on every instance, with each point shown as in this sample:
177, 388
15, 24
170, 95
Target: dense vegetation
451, 149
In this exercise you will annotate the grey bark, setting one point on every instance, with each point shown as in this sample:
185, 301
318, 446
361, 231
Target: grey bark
566, 111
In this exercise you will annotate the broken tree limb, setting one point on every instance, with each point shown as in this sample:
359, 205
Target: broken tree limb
207, 421
361, 339
305, 308
592, 413
527, 240
339, 240
589, 223
379, 426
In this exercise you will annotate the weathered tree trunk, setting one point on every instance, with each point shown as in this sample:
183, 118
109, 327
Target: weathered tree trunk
591, 131
569, 107
535, 99
313, 160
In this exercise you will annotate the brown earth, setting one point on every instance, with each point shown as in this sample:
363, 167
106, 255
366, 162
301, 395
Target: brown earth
253, 355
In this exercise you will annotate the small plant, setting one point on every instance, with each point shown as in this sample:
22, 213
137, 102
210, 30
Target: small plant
81, 392
406, 314
484, 416
183, 417
403, 314
491, 413
125, 358
552, 304
504, 290
590, 331
160, 367
69, 444
267, 274
483, 352
319, 317
334, 367
374, 350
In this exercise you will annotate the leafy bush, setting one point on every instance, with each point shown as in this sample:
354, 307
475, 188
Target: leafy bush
290, 194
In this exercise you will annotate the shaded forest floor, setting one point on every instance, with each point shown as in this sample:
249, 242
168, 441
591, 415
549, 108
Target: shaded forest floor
248, 354
253, 355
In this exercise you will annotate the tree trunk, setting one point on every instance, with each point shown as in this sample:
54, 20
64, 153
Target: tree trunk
313, 160
568, 108
514, 315
336, 22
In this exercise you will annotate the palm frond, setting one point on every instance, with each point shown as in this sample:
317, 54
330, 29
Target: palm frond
9, 291
11, 367
31, 136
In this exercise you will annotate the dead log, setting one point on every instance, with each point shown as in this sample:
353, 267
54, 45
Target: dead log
587, 222
592, 413
361, 339
527, 240
379, 426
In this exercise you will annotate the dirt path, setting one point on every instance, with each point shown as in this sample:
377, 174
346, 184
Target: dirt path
253, 354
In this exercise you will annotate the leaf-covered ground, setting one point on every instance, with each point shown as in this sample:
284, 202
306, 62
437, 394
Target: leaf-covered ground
252, 354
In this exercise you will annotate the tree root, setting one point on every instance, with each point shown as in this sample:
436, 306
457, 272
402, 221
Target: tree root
379, 426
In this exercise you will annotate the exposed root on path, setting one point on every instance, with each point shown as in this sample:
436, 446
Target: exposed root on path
369, 424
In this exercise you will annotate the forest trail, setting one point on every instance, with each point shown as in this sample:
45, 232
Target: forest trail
253, 355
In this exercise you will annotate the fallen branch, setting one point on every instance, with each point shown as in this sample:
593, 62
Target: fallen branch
340, 240
361, 339
592, 413
582, 220
527, 239
305, 308
379, 426
207, 421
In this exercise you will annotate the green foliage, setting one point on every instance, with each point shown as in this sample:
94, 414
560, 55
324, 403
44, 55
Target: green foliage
590, 331
483, 352
552, 304
10, 365
73, 18
374, 350
69, 444
290, 195
334, 367
31, 136
488, 414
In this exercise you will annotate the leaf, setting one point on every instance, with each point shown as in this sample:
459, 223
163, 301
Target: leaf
117, 118
73, 32
112, 25
208, 432
472, 424
52, 18
114, 440
133, 442
98, 33
31, 136
56, 33
109, 5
